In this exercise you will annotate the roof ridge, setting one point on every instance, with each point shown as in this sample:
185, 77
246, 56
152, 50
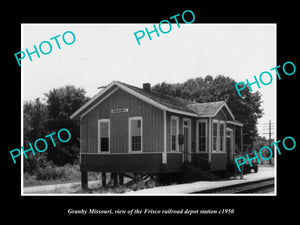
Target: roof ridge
208, 102
156, 93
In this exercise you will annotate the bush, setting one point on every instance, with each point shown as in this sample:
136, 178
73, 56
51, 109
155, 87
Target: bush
52, 172
29, 180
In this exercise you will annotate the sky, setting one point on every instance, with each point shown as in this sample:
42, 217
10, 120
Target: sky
102, 53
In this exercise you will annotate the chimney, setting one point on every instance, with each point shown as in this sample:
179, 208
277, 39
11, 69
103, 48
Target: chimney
147, 86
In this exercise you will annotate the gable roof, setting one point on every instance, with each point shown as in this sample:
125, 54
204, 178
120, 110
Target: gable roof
209, 109
164, 102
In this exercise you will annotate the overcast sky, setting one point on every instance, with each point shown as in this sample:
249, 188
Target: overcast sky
106, 52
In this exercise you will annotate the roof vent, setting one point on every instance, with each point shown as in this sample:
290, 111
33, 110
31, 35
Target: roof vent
147, 86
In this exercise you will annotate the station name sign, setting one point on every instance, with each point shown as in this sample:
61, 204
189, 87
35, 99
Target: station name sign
122, 110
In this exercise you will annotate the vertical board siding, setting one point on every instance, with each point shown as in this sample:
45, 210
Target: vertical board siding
152, 124
200, 160
221, 115
218, 161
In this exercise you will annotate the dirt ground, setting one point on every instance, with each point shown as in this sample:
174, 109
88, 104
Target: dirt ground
143, 188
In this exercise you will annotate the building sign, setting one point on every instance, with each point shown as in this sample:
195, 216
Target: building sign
119, 110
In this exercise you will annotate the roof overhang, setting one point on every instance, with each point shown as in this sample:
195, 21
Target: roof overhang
237, 123
218, 110
85, 108
82, 109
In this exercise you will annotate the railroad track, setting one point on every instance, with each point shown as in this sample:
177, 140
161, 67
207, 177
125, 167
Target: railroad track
248, 187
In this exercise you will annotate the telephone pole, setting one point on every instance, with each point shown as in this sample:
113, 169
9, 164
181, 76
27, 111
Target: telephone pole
270, 127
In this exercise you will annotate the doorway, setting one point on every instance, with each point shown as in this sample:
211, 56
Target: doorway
229, 143
187, 157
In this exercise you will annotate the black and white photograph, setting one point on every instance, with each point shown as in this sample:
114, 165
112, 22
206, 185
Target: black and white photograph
160, 117
133, 112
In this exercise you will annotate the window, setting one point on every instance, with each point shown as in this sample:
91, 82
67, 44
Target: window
222, 136
135, 134
103, 135
201, 135
215, 135
174, 133
219, 130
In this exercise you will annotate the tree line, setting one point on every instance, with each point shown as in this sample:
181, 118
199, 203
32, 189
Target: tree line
246, 110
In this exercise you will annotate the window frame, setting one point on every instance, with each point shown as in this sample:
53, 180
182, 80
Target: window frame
212, 136
177, 133
218, 122
206, 134
130, 136
224, 136
99, 135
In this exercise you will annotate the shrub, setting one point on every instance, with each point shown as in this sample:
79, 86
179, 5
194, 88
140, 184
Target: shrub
52, 172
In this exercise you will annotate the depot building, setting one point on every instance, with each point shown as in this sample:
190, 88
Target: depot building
127, 129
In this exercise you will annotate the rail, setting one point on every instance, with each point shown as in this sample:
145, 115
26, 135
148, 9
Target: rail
246, 187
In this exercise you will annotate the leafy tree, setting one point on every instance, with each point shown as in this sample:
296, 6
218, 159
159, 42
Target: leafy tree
41, 119
61, 103
246, 110
35, 115
34, 118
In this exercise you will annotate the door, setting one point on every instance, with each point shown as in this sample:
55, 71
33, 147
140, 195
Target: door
187, 157
229, 143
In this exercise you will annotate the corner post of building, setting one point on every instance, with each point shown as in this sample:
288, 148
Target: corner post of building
209, 141
242, 151
164, 154
84, 180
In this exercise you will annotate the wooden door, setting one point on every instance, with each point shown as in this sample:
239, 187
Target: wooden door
229, 144
187, 140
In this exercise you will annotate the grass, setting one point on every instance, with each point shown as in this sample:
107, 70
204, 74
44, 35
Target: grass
128, 187
56, 175
94, 187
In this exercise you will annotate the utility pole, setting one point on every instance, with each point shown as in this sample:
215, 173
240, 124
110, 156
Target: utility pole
270, 127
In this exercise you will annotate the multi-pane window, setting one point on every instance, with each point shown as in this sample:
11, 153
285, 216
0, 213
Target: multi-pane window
135, 134
222, 137
103, 135
174, 133
215, 136
218, 131
202, 135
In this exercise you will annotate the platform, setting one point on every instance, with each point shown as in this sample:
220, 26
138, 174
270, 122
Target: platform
263, 173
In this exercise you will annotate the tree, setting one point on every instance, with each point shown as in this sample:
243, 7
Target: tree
34, 118
35, 115
246, 110
61, 103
